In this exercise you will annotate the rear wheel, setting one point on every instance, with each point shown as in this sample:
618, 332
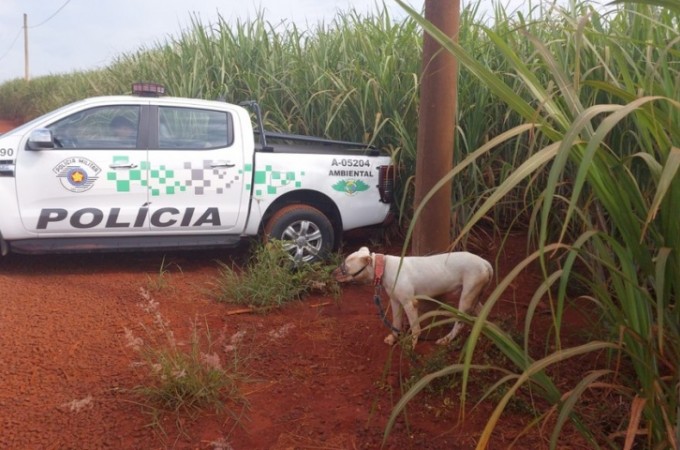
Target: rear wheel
306, 232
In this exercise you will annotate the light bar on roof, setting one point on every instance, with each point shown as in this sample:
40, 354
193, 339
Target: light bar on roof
148, 89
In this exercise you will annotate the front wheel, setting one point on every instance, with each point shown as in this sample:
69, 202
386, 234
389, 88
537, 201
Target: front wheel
306, 232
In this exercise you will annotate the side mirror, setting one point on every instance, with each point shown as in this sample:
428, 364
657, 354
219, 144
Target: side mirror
40, 138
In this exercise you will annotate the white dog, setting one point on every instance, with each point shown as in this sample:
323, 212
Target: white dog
430, 276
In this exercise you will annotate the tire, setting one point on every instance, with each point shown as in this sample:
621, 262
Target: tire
308, 232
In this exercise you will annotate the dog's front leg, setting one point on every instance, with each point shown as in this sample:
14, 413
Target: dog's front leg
411, 309
391, 338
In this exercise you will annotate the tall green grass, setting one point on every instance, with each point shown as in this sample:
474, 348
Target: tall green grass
600, 92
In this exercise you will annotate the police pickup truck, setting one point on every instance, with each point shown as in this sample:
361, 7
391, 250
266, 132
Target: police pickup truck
151, 172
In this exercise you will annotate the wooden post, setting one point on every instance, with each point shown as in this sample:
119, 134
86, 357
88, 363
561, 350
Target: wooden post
26, 47
436, 129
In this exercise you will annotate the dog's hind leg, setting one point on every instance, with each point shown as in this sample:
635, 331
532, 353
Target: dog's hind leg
452, 334
478, 308
469, 304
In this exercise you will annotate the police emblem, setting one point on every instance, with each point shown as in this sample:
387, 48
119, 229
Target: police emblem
350, 187
77, 174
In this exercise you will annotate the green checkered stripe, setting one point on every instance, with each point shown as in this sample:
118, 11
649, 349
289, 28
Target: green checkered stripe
161, 181
199, 180
125, 179
269, 181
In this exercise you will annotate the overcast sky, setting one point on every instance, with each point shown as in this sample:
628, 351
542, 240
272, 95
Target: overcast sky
72, 35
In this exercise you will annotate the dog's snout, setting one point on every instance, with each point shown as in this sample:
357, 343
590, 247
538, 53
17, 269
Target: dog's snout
338, 272
341, 274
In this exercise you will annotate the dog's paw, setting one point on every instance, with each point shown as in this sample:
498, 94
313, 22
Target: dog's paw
390, 339
444, 341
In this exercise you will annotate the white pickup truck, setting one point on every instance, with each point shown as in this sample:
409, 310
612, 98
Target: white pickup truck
146, 171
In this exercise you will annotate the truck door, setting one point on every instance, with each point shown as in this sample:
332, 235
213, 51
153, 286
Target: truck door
93, 179
196, 166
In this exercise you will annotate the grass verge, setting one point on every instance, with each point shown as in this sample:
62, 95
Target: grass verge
271, 279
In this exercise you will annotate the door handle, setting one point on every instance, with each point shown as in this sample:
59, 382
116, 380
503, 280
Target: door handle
122, 166
222, 164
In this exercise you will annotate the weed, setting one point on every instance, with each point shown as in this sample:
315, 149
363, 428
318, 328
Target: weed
161, 281
443, 387
432, 362
183, 382
271, 279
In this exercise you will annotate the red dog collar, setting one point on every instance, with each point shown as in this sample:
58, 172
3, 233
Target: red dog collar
379, 268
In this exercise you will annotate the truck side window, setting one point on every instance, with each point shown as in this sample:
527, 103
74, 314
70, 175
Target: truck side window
104, 127
193, 129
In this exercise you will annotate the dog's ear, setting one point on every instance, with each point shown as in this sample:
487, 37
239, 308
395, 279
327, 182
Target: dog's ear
364, 250
367, 260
